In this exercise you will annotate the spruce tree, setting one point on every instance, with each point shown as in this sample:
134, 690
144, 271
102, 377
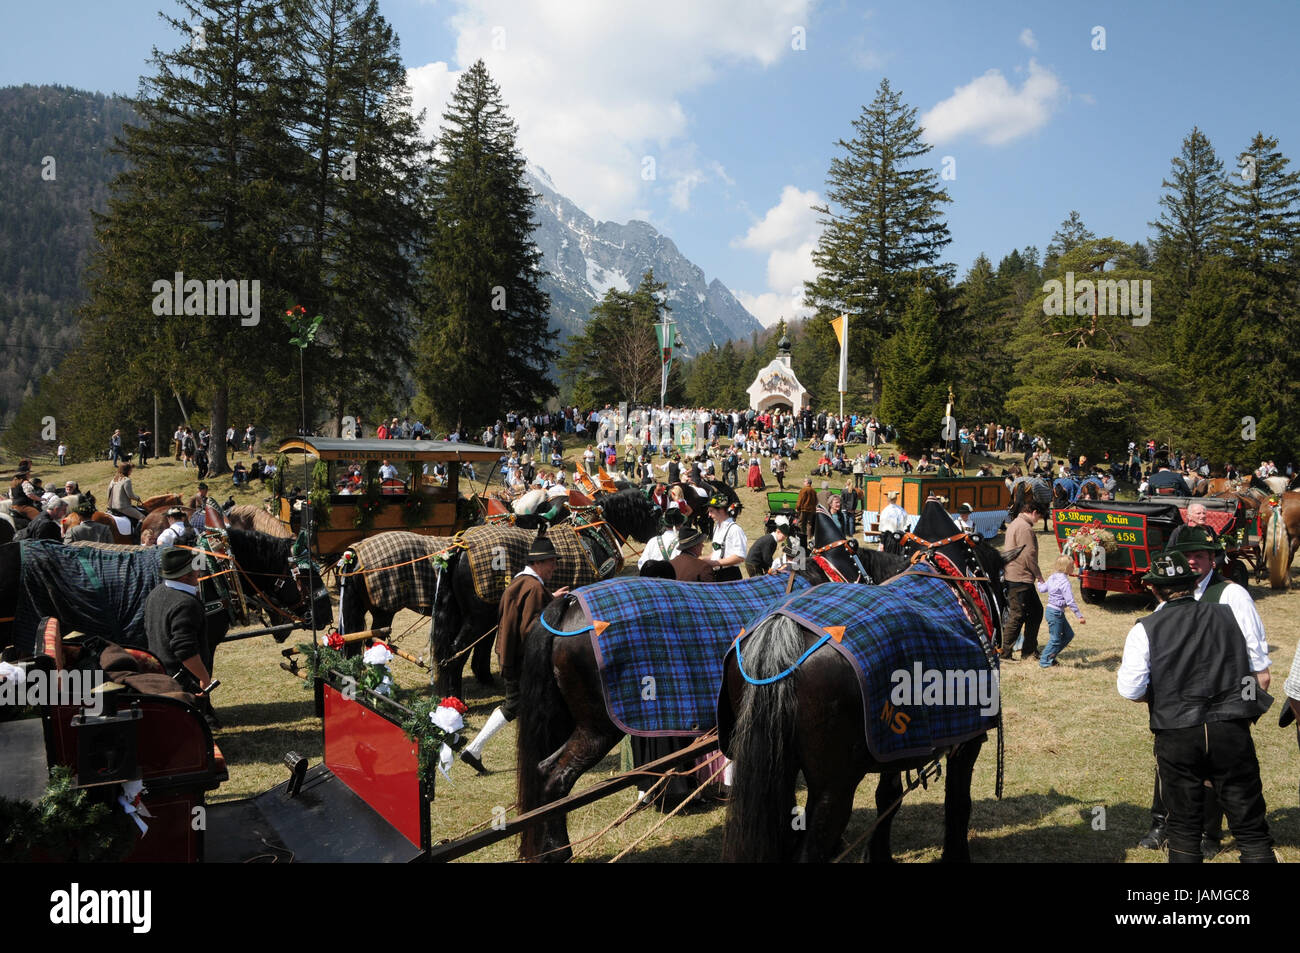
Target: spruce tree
1071, 234
916, 376
357, 200
1193, 206
486, 346
883, 228
204, 195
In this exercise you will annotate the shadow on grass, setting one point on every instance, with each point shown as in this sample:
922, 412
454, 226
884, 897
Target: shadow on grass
252, 714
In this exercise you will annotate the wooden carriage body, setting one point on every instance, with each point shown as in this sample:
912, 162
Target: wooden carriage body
988, 497
444, 512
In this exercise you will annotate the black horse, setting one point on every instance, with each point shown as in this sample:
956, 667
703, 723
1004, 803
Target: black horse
266, 567
812, 721
461, 618
564, 725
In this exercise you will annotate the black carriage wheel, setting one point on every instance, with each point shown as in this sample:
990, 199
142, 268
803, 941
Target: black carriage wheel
1093, 597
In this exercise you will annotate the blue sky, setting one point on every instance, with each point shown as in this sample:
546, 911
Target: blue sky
741, 124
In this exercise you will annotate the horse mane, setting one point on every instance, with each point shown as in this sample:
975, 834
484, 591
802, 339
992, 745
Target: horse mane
630, 509
245, 516
258, 550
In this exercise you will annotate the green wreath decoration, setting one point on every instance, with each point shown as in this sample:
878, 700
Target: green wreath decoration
67, 825
371, 500
319, 494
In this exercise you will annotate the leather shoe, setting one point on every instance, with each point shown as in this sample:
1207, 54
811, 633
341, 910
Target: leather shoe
1156, 838
474, 762
1007, 655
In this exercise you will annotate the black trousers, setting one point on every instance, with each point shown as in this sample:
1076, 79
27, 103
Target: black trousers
1024, 608
510, 707
1211, 819
1223, 753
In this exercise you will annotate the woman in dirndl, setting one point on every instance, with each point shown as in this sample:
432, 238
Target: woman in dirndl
755, 481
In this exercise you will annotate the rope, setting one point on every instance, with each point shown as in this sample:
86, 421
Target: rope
458, 544
776, 678
664, 820
933, 769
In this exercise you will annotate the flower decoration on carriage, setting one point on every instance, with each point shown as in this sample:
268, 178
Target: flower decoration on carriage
1087, 538
449, 719
377, 677
334, 639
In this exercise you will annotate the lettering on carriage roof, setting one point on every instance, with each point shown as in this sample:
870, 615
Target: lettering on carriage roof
75, 906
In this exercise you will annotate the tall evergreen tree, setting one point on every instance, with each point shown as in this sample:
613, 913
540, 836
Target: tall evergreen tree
1070, 235
486, 345
916, 377
204, 196
616, 357
983, 369
357, 199
883, 227
1192, 207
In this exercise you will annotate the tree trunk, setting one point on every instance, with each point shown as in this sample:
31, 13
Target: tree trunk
217, 444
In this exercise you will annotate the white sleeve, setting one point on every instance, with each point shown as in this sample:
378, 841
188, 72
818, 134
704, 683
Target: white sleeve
1252, 627
1134, 674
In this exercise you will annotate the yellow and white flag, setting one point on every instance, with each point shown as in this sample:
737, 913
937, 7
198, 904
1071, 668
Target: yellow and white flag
841, 326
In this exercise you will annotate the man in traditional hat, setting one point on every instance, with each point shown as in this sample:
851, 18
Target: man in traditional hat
664, 546
1200, 546
521, 607
729, 542
178, 531
687, 564
175, 627
892, 524
1189, 663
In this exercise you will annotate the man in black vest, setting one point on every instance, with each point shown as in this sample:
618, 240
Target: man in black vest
175, 625
1201, 546
1188, 662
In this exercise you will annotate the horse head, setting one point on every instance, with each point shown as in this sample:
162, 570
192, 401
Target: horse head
631, 513
291, 582
969, 553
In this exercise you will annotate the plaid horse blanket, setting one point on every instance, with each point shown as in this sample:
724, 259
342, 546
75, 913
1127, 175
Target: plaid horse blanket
397, 568
926, 681
496, 555
660, 646
93, 588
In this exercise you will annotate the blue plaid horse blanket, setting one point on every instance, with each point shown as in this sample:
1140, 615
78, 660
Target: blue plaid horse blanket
927, 681
95, 589
660, 646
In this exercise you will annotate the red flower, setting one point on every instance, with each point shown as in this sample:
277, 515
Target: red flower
451, 701
334, 640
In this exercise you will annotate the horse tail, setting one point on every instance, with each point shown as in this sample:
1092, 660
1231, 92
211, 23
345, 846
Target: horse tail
544, 720
758, 828
447, 618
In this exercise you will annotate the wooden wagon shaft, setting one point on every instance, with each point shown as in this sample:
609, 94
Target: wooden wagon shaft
442, 853
354, 637
269, 630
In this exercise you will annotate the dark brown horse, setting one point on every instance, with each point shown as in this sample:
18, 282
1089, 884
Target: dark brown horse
812, 721
460, 617
564, 724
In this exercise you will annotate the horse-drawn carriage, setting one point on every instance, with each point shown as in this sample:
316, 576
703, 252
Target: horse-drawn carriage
349, 499
988, 497
1112, 543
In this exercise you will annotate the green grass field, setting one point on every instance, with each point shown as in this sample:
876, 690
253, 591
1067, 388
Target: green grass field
1079, 766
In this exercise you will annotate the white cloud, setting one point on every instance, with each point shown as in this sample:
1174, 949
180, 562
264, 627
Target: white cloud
992, 109
597, 86
1027, 38
788, 234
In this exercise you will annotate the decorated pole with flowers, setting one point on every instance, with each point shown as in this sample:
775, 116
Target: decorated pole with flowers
303, 331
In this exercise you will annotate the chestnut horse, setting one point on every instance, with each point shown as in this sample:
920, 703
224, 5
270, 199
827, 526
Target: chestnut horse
1281, 539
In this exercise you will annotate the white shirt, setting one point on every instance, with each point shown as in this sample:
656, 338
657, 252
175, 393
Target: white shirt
663, 546
893, 519
732, 540
182, 586
388, 472
172, 533
1135, 668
